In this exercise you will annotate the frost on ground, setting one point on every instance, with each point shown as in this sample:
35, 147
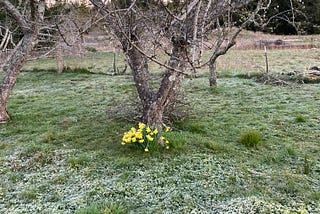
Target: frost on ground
201, 184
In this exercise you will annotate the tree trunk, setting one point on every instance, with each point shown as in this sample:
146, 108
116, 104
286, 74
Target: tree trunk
170, 85
15, 63
212, 73
153, 114
4, 117
59, 57
139, 67
154, 104
126, 27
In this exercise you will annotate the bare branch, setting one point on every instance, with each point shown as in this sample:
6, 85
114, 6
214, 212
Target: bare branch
152, 58
195, 31
25, 27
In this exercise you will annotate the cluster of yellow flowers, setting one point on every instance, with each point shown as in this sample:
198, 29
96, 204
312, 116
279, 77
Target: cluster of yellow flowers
144, 137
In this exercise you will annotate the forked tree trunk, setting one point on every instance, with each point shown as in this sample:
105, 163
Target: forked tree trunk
153, 114
15, 63
155, 103
170, 85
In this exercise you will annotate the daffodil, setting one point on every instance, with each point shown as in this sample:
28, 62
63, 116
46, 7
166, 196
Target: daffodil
149, 137
129, 134
148, 129
138, 135
144, 137
141, 125
127, 139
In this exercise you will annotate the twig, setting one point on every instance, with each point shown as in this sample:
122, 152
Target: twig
60, 33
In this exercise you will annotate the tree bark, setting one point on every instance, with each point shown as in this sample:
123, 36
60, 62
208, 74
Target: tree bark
170, 84
59, 57
15, 64
4, 117
212, 73
140, 70
17, 58
155, 103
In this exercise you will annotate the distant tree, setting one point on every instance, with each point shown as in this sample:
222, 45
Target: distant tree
227, 25
283, 17
292, 17
311, 11
27, 16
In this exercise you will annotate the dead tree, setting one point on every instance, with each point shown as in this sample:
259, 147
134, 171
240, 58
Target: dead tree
28, 23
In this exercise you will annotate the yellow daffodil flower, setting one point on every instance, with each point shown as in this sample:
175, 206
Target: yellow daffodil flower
138, 135
127, 140
167, 147
167, 129
141, 141
146, 149
141, 125
155, 131
148, 129
149, 138
167, 142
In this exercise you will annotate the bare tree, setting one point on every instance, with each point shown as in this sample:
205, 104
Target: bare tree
28, 21
177, 29
220, 23
137, 31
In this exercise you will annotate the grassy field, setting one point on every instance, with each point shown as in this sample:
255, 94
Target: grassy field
61, 152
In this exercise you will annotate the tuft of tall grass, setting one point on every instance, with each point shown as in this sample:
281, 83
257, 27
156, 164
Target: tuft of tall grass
250, 138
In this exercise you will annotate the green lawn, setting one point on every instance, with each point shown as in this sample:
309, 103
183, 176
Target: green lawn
61, 152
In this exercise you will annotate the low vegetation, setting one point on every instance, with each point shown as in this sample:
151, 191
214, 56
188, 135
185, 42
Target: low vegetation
62, 152
250, 138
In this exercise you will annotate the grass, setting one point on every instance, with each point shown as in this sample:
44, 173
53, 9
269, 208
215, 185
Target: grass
61, 152
250, 138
